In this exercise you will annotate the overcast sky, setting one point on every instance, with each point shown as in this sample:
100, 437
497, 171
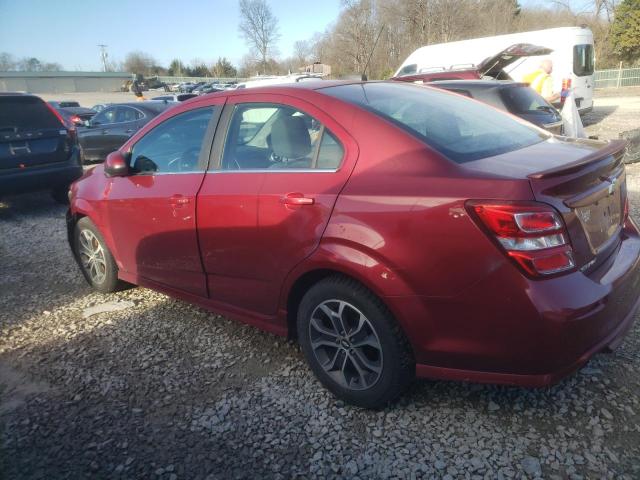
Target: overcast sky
68, 31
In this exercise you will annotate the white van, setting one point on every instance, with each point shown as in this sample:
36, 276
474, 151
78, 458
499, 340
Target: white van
572, 56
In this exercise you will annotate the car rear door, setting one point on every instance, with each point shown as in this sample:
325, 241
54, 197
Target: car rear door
152, 211
31, 134
279, 164
93, 139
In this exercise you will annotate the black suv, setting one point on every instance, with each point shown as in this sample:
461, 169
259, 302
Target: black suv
38, 151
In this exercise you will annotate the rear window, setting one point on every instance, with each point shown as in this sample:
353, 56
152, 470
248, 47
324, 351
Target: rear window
524, 100
461, 129
583, 63
408, 69
68, 104
18, 114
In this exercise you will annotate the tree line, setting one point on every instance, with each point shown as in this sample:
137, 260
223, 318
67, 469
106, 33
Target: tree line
396, 28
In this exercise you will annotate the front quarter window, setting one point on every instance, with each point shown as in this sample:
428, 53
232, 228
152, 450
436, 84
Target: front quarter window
173, 146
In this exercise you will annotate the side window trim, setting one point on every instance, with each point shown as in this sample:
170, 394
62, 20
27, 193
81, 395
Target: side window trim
205, 149
217, 150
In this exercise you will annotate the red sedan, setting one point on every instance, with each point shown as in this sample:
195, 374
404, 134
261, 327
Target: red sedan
395, 230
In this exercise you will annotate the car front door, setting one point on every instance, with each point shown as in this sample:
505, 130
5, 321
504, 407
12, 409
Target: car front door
126, 124
279, 165
152, 211
94, 138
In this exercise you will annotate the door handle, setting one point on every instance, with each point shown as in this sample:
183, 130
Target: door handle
178, 200
105, 132
297, 199
129, 130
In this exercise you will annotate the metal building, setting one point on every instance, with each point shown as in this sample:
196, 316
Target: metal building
62, 82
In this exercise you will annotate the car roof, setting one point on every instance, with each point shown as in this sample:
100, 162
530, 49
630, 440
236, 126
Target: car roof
17, 94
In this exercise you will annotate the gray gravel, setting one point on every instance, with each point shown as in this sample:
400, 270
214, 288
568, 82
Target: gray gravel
162, 389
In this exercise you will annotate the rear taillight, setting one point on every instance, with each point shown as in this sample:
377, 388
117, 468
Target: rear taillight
532, 234
76, 119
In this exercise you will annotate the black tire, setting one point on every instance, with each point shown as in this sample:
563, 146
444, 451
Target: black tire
61, 194
108, 282
393, 360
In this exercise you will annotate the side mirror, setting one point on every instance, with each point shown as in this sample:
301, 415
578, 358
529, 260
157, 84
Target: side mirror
116, 165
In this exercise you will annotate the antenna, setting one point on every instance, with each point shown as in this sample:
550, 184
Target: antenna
375, 44
103, 56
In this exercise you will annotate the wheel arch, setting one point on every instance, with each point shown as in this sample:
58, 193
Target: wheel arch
347, 261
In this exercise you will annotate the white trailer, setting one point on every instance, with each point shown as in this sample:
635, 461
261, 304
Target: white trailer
572, 56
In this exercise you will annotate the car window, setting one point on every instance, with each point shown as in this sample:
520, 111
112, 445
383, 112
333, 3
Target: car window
108, 115
173, 146
25, 113
583, 63
408, 69
460, 129
278, 137
524, 100
459, 91
127, 114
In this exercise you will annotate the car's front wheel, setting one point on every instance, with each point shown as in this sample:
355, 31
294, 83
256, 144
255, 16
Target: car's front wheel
353, 344
95, 260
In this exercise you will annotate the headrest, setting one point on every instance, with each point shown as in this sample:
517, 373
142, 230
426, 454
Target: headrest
290, 138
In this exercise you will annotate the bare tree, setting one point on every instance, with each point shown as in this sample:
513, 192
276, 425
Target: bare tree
302, 52
139, 63
259, 27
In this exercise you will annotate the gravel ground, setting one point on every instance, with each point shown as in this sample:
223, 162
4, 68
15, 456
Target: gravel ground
164, 390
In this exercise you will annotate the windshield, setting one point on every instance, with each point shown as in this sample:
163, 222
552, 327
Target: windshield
459, 128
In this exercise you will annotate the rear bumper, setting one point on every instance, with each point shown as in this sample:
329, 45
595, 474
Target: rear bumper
45, 177
511, 330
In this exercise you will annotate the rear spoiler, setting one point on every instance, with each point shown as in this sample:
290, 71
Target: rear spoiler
612, 153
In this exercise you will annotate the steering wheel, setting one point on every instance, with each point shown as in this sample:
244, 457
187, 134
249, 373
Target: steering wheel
183, 161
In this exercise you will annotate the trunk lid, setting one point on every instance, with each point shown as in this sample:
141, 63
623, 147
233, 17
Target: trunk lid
494, 65
584, 180
30, 133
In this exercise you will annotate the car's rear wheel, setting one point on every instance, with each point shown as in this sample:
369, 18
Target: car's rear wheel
95, 260
353, 344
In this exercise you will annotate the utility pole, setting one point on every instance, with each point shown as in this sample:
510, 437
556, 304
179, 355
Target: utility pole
103, 56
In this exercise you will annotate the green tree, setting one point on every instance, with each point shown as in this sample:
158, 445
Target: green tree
176, 68
224, 68
625, 31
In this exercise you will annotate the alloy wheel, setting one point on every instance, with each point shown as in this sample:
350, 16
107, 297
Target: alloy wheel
92, 256
345, 344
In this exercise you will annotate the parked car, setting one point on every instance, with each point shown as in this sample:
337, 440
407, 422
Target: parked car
188, 87
393, 229
208, 88
100, 106
113, 126
38, 150
178, 97
72, 112
516, 98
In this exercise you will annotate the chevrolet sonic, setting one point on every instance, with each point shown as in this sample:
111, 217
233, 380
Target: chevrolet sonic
395, 230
